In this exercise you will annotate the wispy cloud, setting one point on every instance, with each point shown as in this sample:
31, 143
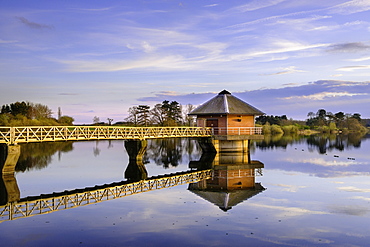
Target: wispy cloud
354, 189
155, 62
359, 59
288, 211
324, 95
351, 7
290, 187
352, 68
94, 9
255, 5
211, 5
68, 94
34, 25
239, 27
349, 47
2, 41
289, 70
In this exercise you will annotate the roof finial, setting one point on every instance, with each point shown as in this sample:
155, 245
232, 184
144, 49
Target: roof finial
224, 92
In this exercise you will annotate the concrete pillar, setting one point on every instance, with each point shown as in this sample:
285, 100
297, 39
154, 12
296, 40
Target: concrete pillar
11, 188
9, 191
208, 145
136, 170
9, 159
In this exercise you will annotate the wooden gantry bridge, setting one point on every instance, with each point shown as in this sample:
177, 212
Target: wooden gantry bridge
14, 135
48, 203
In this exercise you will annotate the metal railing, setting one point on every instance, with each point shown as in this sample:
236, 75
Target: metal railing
12, 135
237, 131
48, 203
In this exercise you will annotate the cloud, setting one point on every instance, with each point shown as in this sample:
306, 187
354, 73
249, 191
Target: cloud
349, 47
351, 7
355, 210
295, 101
359, 59
7, 41
34, 25
324, 95
289, 70
94, 10
256, 5
280, 46
270, 18
354, 189
147, 47
287, 211
154, 62
290, 187
67, 94
352, 68
211, 5
324, 162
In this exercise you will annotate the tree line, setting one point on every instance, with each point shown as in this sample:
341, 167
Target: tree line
322, 121
163, 114
31, 114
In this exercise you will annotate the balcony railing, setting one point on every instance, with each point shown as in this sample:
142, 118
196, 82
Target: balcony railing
237, 131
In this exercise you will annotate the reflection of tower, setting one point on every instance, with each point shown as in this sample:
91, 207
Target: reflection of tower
233, 179
136, 170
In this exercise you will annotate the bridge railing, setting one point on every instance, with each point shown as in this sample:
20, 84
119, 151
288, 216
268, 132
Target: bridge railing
237, 131
12, 135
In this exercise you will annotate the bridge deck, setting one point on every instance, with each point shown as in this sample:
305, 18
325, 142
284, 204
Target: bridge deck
13, 135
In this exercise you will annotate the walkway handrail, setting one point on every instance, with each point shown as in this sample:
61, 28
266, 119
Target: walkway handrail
237, 131
13, 135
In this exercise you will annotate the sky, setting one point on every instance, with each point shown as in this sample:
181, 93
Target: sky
99, 58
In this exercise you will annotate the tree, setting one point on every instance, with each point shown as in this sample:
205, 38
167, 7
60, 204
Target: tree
172, 112
96, 120
19, 108
133, 115
39, 111
5, 109
158, 114
110, 120
143, 114
59, 113
339, 118
188, 120
66, 120
357, 116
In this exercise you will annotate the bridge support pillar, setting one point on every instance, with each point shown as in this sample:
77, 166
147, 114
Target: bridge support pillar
136, 170
208, 145
9, 191
9, 156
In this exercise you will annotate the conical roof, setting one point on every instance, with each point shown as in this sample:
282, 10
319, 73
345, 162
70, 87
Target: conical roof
225, 103
225, 200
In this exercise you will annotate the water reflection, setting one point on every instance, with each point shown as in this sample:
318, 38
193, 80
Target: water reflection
322, 143
225, 179
312, 198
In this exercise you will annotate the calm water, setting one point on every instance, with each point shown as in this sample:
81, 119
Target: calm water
312, 192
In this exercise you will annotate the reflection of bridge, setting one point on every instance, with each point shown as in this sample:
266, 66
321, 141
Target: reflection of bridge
13, 135
48, 203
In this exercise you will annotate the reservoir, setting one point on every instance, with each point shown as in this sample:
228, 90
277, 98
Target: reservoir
291, 191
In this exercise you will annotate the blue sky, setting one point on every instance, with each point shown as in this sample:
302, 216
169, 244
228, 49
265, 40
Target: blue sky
98, 58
